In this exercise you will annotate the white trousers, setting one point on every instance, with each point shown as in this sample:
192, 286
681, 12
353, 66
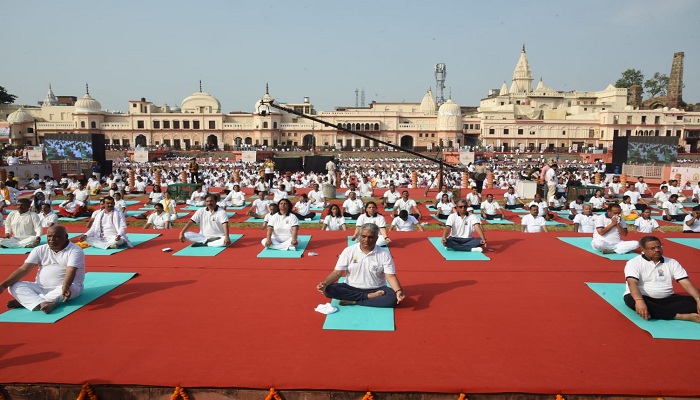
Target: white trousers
30, 295
106, 242
278, 244
196, 203
13, 243
620, 247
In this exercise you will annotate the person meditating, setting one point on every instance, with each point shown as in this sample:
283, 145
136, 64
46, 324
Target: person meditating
649, 289
444, 207
108, 230
371, 216
368, 268
213, 225
59, 278
22, 227
282, 228
71, 208
459, 230
334, 221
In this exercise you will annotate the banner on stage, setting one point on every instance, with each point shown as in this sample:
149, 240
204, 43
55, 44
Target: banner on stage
466, 157
691, 175
35, 153
249, 156
4, 130
141, 154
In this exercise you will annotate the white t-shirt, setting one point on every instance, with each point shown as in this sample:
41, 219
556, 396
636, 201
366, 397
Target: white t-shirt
391, 197
282, 225
597, 202
541, 207
365, 271
317, 197
48, 219
211, 224
445, 208
586, 223
158, 220
404, 226
671, 208
366, 219
303, 208
645, 225
511, 198
462, 227
23, 226
402, 204
334, 223
473, 199
490, 208
533, 224
634, 196
52, 266
260, 206
575, 208
641, 187
613, 235
655, 281
695, 227
353, 206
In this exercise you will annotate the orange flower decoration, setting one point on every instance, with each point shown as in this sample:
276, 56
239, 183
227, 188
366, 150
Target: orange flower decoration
86, 391
462, 396
179, 392
273, 395
560, 397
368, 396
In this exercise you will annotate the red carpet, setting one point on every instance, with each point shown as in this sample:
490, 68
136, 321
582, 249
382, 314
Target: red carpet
523, 322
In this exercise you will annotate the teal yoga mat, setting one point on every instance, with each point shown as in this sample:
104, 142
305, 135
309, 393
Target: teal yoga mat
452, 255
584, 243
690, 242
438, 219
246, 204
315, 219
659, 329
359, 318
300, 248
498, 221
96, 284
68, 219
135, 239
206, 251
255, 220
350, 221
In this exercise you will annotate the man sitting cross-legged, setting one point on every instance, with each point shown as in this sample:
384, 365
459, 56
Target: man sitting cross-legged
213, 225
59, 278
22, 227
459, 230
609, 228
368, 267
108, 230
650, 279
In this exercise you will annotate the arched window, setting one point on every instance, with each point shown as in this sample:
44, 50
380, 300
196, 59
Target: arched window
367, 127
82, 124
376, 127
265, 125
274, 125
93, 125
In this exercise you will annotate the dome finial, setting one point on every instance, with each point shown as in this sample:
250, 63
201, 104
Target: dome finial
200, 86
87, 89
267, 88
523, 47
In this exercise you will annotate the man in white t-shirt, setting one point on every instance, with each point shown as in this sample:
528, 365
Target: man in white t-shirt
59, 278
696, 193
259, 207
610, 227
641, 186
585, 222
22, 227
365, 188
352, 207
673, 210
691, 223
47, 217
661, 196
649, 290
490, 209
368, 268
512, 199
390, 197
533, 222
404, 203
405, 223
459, 230
213, 225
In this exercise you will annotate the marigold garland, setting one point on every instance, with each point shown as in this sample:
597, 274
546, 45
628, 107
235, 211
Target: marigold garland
273, 395
179, 392
462, 396
560, 397
86, 390
368, 396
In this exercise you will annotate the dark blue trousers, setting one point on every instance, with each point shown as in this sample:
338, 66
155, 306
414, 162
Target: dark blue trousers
343, 291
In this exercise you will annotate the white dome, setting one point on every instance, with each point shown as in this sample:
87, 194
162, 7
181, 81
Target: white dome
193, 103
267, 99
19, 117
88, 105
428, 105
175, 109
450, 108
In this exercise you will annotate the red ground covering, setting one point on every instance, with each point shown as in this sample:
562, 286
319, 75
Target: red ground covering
522, 322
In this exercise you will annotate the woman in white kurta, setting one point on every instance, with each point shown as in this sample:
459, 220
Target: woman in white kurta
282, 228
371, 216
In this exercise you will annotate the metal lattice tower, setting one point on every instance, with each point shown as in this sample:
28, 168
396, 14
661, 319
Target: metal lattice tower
362, 98
440, 75
357, 98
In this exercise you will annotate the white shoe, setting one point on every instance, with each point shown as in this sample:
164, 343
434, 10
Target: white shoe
477, 250
291, 248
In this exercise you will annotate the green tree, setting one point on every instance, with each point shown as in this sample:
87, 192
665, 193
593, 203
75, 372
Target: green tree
629, 78
6, 98
657, 86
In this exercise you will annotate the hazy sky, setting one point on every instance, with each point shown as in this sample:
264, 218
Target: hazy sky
326, 49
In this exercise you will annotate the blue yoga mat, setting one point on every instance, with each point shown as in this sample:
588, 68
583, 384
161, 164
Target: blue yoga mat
135, 239
499, 221
452, 255
271, 253
584, 243
690, 242
68, 219
659, 329
96, 284
206, 251
255, 220
192, 208
359, 318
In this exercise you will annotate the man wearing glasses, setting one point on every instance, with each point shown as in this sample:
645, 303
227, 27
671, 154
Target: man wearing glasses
650, 285
459, 230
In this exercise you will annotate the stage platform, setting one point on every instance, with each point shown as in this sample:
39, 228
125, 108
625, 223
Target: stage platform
522, 325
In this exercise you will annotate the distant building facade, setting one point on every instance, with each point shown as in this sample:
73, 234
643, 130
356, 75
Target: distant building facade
515, 117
